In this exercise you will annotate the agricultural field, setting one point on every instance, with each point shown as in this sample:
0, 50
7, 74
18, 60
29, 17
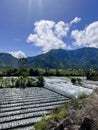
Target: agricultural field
20, 108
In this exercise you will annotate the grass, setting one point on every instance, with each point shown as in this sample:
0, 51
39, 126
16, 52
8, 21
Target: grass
59, 113
42, 125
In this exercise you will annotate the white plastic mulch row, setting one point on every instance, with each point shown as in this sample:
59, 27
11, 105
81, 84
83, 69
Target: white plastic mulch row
90, 84
29, 110
32, 102
16, 123
29, 97
22, 107
31, 106
22, 116
65, 87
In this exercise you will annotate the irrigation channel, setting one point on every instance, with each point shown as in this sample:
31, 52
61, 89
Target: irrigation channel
21, 108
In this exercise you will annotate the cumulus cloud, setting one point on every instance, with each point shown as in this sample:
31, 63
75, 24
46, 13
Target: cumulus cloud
87, 37
75, 20
49, 34
18, 54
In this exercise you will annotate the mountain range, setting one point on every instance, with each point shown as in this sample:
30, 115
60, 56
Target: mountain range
58, 59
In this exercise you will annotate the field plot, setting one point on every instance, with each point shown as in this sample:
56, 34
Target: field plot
64, 86
21, 108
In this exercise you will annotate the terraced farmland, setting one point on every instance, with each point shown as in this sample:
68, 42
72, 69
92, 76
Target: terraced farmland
21, 108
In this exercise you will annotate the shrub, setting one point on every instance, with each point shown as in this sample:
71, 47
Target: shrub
42, 125
59, 113
40, 81
78, 103
73, 80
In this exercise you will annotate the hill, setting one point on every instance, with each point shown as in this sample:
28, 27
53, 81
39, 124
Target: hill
7, 60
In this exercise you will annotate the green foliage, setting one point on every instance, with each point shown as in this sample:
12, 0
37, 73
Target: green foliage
89, 73
20, 82
58, 113
38, 72
93, 75
61, 112
76, 81
58, 72
82, 96
11, 72
23, 72
73, 80
42, 125
47, 72
40, 81
34, 72
79, 80
79, 102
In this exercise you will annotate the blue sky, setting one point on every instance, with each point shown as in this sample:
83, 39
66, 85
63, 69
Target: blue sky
32, 27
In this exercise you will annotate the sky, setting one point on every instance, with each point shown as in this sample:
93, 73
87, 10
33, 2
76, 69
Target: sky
33, 27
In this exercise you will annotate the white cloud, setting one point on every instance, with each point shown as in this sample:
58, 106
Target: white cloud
61, 29
49, 35
75, 20
87, 37
18, 54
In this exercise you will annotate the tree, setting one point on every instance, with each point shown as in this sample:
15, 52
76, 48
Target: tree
46, 72
89, 73
31, 71
41, 81
58, 72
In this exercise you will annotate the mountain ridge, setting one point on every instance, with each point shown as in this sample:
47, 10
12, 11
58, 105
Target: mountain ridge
56, 59
67, 59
